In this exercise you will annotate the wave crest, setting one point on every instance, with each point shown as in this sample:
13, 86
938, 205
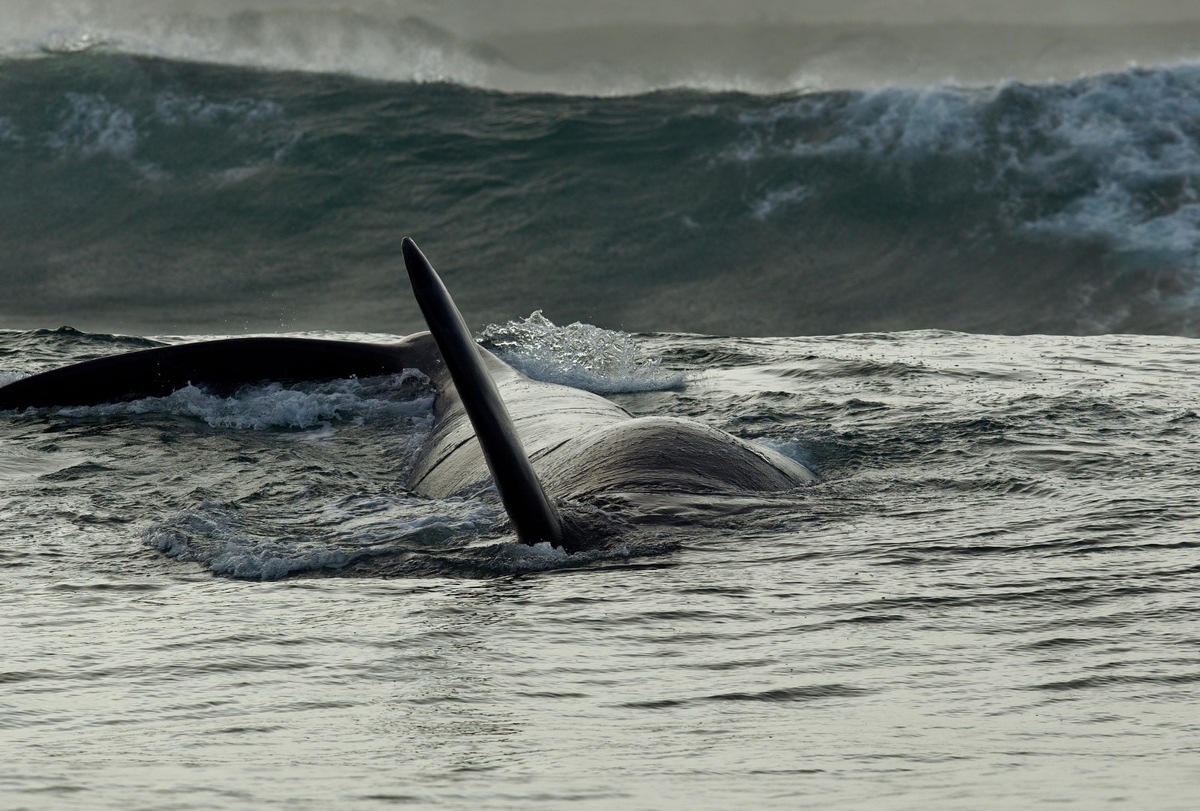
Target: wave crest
567, 46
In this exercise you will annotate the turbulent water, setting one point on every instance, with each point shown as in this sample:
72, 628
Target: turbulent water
988, 600
149, 195
991, 596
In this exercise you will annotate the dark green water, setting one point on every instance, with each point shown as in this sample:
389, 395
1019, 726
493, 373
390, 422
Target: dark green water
150, 195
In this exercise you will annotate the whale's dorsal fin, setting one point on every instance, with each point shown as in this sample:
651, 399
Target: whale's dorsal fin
533, 514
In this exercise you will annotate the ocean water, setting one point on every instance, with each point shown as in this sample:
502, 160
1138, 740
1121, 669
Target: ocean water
949, 260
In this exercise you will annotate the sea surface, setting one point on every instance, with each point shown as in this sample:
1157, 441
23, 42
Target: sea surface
951, 263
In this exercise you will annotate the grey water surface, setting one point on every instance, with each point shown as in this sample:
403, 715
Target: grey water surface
989, 600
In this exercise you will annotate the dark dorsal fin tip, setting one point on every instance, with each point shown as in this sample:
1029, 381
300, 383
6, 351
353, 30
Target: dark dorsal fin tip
532, 513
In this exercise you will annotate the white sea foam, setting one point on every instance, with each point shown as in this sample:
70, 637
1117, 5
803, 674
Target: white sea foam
1111, 158
93, 125
249, 544
536, 555
276, 406
779, 199
1133, 137
579, 355
179, 110
570, 46
215, 537
379, 532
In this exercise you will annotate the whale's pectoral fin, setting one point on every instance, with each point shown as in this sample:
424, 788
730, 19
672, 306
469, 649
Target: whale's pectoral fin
533, 514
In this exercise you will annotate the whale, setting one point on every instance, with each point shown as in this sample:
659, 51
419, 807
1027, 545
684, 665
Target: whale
541, 445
